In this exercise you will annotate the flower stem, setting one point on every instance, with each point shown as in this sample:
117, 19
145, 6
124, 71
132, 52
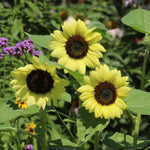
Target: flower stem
43, 138
18, 136
64, 124
136, 131
138, 118
96, 140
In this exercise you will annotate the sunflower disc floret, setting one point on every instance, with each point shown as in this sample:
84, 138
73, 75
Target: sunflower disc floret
104, 91
76, 46
38, 83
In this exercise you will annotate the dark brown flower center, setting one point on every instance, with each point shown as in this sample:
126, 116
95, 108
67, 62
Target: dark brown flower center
31, 130
76, 47
105, 93
39, 81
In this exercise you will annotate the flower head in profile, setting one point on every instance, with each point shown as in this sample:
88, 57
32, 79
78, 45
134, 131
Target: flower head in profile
104, 91
76, 46
30, 127
38, 83
22, 105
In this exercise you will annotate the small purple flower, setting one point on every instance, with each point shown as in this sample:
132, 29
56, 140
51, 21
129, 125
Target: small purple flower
26, 46
28, 147
3, 42
1, 55
75, 92
29, 41
37, 53
9, 51
18, 50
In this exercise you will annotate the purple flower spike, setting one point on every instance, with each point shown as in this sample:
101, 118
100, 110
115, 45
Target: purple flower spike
9, 51
3, 42
18, 50
26, 46
28, 147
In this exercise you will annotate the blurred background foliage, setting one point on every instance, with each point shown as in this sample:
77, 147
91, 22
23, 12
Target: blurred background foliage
42, 17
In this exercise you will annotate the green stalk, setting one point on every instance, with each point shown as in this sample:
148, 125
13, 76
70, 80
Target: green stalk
18, 136
96, 140
138, 118
43, 136
35, 143
64, 124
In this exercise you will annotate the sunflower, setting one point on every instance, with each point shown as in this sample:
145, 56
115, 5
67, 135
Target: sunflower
104, 91
76, 46
30, 128
23, 104
38, 83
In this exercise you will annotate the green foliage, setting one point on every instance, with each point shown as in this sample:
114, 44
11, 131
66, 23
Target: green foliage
138, 101
7, 113
138, 19
63, 144
41, 40
123, 141
87, 124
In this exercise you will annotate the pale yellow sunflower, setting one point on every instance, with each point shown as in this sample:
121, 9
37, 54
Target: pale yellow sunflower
38, 83
76, 46
104, 91
30, 128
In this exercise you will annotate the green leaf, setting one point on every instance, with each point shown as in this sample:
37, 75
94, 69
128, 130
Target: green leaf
138, 101
61, 144
99, 27
76, 75
123, 141
66, 97
115, 55
6, 126
41, 40
69, 120
138, 19
87, 124
8, 113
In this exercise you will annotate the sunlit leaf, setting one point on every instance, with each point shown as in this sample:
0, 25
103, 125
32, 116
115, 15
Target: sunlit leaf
66, 97
62, 144
8, 113
138, 101
6, 126
138, 19
41, 40
123, 141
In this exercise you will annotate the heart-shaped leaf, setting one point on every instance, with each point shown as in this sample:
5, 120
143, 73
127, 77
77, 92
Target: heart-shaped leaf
138, 19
